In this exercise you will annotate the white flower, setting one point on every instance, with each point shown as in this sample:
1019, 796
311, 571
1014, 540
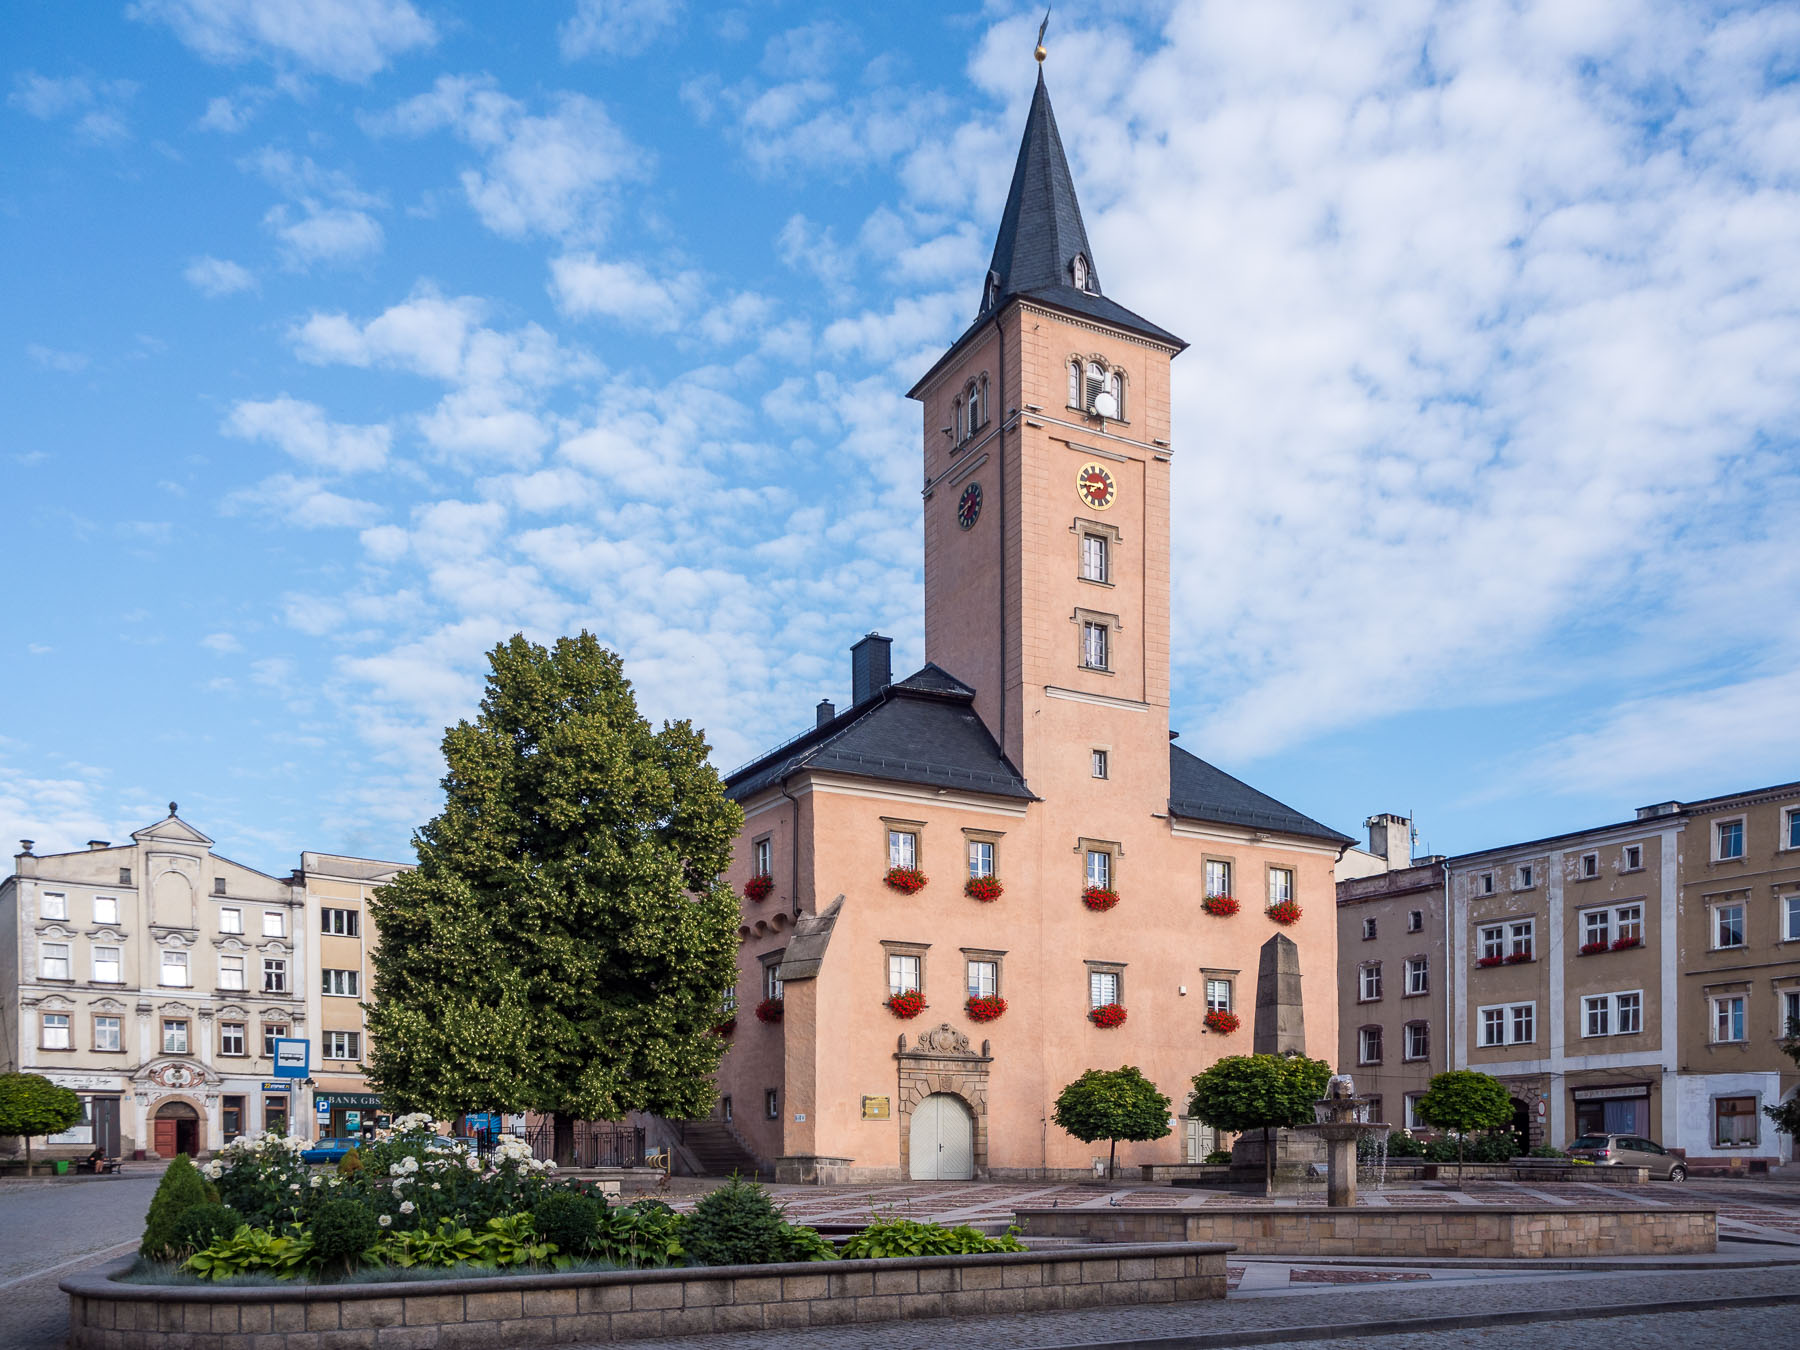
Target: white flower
294, 1186
317, 1182
409, 1164
385, 1221
436, 1187
394, 1169
406, 1207
550, 1166
472, 1162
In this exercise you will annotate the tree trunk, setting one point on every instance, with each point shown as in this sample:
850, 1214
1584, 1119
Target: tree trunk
30, 1170
1112, 1161
1268, 1161
1460, 1140
563, 1137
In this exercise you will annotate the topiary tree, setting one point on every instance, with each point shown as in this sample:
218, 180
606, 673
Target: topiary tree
342, 1230
1465, 1101
199, 1226
1112, 1104
1260, 1092
181, 1189
569, 1219
735, 1225
31, 1104
562, 943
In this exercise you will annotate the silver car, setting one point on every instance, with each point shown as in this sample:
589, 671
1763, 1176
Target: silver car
1629, 1150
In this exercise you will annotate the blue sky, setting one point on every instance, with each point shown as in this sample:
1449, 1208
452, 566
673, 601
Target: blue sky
342, 338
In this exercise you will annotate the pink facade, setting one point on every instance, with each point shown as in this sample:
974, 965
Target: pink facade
1047, 634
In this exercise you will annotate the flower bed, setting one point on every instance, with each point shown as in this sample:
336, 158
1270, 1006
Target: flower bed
1107, 1015
1594, 948
1285, 911
906, 880
758, 888
1222, 1021
769, 1010
1220, 906
1099, 898
985, 889
985, 1009
1487, 962
907, 1004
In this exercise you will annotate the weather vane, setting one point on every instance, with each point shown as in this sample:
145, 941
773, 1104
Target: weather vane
1041, 53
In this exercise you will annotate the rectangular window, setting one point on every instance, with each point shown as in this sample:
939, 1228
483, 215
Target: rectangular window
771, 980
345, 983
106, 966
55, 905
218, 885
231, 972
1412, 1111
1493, 1026
274, 975
340, 922
981, 858
1524, 1023
1596, 1014
231, 1038
1093, 645
1793, 827
1418, 1040
1590, 865
1790, 1012
1093, 558
175, 969
1634, 857
275, 1115
903, 848
1596, 928
1790, 918
1628, 1014
274, 923
1728, 926
231, 1116
1735, 1122
771, 1104
56, 1031
1218, 995
1281, 885
1099, 869
124, 876
1487, 883
343, 1044
272, 1032
1103, 988
1370, 988
1525, 879
1520, 936
725, 1108
1218, 878
1368, 1045
175, 1040
1493, 942
1731, 839
903, 974
106, 909
1368, 930
1097, 766
984, 979
107, 1033
762, 857
231, 921
1418, 975
1629, 920
53, 961
1415, 921
1728, 1019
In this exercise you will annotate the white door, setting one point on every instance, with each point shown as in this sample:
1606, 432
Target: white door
942, 1140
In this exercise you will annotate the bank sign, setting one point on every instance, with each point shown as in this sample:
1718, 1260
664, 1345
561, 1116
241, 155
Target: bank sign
293, 1057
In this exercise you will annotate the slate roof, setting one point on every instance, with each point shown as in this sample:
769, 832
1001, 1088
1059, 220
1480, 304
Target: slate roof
1198, 791
922, 729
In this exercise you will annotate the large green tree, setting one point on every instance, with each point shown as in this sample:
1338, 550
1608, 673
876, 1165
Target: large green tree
565, 941
1260, 1092
1786, 1115
1112, 1104
1465, 1101
31, 1104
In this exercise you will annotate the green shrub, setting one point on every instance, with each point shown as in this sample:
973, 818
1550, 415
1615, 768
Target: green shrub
799, 1243
181, 1188
568, 1219
1546, 1151
904, 1237
252, 1251
736, 1225
1404, 1145
350, 1164
1219, 1157
647, 1233
341, 1231
199, 1226
1497, 1146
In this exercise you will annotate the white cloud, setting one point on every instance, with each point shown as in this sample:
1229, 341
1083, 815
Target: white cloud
52, 358
231, 114
304, 502
218, 276
98, 106
221, 644
331, 234
611, 28
346, 39
585, 287
305, 432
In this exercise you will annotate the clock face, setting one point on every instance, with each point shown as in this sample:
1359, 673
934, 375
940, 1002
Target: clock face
1095, 486
968, 506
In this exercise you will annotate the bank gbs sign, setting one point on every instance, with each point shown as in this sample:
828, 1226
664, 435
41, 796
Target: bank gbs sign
292, 1057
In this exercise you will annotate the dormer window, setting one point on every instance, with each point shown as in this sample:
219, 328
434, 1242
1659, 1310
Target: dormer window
1079, 270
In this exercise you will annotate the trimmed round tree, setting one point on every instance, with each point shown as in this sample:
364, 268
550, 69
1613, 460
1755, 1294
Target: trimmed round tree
1465, 1101
31, 1104
1260, 1092
564, 942
1112, 1104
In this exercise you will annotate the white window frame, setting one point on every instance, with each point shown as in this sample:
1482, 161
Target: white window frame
1492, 937
1589, 867
1096, 560
1753, 1115
1790, 828
1096, 645
1099, 763
1487, 883
903, 848
348, 922
1596, 1015
1529, 1011
1218, 877
275, 975
1218, 993
110, 915
1368, 983
1418, 976
982, 977
343, 1045
1406, 1045
1790, 1009
1521, 936
905, 973
1508, 1022
1410, 1118
1363, 1043
1525, 877
1369, 930
97, 961
771, 980
176, 961
1732, 1012
231, 972
1281, 885
242, 1033
53, 961
1104, 987
981, 858
1790, 916
762, 857
1631, 859
1596, 925
54, 1031
1415, 921
335, 982
1742, 833
54, 905
274, 923
116, 1027
175, 1035
231, 921
1100, 868
1718, 925
1631, 1000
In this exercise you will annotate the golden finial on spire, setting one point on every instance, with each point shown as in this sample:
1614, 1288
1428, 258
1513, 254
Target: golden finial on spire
1041, 53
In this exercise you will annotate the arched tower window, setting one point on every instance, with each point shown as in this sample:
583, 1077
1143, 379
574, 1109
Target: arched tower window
1075, 382
1079, 271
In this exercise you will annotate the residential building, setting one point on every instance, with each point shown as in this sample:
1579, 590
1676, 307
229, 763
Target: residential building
1033, 750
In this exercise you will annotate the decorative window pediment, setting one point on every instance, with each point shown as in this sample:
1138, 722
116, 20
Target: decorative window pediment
56, 928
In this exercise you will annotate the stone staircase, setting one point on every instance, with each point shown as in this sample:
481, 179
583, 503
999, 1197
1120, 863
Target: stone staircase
715, 1146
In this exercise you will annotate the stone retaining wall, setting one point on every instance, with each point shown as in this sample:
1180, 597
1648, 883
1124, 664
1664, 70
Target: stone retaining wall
550, 1309
1490, 1231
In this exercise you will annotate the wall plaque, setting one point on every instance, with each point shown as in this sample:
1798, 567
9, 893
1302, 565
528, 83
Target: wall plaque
875, 1108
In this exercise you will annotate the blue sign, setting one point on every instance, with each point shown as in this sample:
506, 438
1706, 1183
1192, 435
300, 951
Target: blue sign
293, 1057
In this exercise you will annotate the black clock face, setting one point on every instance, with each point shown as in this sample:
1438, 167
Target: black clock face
968, 506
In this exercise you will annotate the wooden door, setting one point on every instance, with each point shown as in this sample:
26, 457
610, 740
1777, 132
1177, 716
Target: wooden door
165, 1139
942, 1140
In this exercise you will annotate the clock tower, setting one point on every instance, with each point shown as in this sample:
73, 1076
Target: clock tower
1047, 450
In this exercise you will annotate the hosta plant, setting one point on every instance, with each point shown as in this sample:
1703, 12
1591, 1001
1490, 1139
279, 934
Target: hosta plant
906, 1237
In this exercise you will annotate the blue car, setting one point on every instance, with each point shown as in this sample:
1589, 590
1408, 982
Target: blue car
329, 1150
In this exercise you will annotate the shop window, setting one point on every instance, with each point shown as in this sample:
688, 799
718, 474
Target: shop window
275, 1115
1735, 1122
231, 1117
1611, 1114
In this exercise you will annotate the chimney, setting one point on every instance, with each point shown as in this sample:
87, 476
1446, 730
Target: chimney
99, 843
826, 711
871, 667
1390, 837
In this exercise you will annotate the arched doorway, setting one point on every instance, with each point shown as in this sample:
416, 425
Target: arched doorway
176, 1129
1521, 1126
942, 1139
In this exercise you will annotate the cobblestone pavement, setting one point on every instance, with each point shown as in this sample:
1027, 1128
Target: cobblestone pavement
49, 1229
1745, 1327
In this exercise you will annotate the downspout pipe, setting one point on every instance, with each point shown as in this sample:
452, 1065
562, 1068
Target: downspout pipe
794, 851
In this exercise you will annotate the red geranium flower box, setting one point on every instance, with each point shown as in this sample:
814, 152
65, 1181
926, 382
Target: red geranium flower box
1099, 898
1517, 958
757, 889
1285, 912
1220, 906
1222, 1021
1590, 948
909, 1004
985, 1009
985, 889
1487, 961
769, 1010
905, 879
726, 1027
1625, 944
1107, 1015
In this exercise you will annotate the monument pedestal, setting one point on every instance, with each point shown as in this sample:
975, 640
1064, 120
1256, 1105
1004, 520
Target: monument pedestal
1296, 1155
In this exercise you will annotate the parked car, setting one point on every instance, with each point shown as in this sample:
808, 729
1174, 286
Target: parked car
329, 1150
445, 1143
1629, 1150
